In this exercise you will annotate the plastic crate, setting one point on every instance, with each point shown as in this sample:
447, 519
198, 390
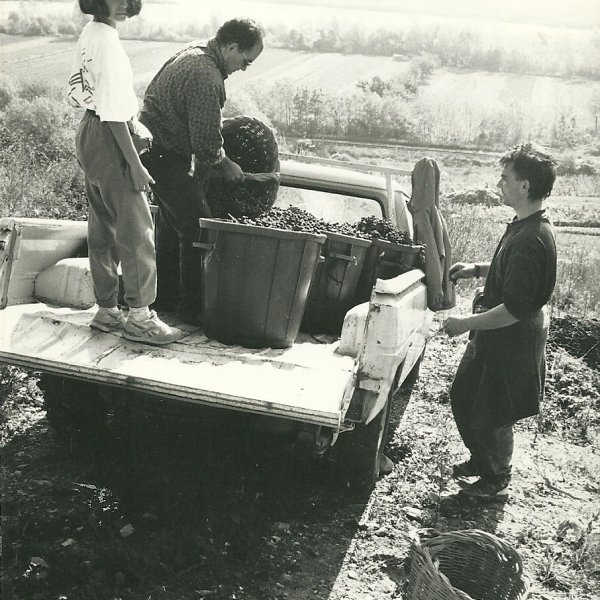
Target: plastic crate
333, 290
385, 260
255, 282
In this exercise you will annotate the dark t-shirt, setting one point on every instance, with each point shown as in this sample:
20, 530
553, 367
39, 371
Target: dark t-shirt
522, 273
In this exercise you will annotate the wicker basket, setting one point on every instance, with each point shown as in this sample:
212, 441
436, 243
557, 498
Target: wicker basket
465, 565
251, 144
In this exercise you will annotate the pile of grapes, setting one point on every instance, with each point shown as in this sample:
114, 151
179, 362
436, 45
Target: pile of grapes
296, 219
383, 230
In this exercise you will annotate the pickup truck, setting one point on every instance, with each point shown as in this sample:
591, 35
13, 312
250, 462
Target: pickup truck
324, 391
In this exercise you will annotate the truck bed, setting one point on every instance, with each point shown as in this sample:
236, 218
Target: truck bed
311, 381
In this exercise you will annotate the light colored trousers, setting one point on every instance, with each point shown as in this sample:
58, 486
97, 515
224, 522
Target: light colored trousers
120, 228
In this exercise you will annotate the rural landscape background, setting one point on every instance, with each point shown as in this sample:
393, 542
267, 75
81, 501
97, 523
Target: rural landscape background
460, 82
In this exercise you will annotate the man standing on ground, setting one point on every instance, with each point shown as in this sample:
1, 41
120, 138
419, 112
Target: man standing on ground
182, 109
500, 378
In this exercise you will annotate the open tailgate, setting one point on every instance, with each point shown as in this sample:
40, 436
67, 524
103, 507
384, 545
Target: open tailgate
310, 381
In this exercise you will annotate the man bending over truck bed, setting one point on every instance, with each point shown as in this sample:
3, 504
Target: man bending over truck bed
182, 109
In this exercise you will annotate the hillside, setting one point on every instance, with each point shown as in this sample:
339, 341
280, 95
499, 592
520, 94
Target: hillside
474, 94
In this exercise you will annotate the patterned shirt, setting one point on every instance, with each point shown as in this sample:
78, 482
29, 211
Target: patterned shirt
183, 103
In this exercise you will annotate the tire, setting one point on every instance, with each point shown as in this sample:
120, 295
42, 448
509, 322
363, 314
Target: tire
360, 451
74, 409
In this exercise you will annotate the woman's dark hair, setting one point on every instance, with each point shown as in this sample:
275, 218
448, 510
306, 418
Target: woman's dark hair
99, 8
133, 8
244, 32
532, 163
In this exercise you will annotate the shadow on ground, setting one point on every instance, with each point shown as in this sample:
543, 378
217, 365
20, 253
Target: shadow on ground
168, 509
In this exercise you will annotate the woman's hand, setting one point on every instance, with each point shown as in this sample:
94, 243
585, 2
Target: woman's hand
141, 178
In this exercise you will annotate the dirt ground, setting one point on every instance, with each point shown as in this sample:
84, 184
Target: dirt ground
156, 510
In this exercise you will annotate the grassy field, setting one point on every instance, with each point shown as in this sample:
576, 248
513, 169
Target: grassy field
532, 99
574, 204
576, 199
476, 95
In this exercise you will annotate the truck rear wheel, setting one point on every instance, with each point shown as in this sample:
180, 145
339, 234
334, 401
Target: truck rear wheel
360, 451
75, 410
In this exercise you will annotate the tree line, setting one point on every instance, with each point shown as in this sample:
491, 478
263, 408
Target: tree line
538, 54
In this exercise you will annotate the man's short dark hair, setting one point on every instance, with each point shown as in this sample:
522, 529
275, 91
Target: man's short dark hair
99, 8
244, 32
531, 162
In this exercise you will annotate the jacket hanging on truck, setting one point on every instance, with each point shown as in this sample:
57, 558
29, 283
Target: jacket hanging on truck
430, 229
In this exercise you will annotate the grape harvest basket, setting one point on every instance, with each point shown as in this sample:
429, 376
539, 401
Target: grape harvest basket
465, 565
252, 145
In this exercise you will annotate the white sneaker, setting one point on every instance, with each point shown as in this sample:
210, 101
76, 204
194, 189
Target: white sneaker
151, 331
107, 321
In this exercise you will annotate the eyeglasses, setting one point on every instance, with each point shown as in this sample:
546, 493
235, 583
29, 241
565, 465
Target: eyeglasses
247, 61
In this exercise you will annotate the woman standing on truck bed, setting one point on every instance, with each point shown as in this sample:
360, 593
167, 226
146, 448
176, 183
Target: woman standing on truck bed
120, 225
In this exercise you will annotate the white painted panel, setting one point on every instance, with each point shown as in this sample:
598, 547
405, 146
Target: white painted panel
310, 381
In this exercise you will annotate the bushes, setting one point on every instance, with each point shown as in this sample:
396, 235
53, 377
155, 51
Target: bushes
34, 187
484, 196
7, 92
570, 166
42, 124
39, 174
300, 110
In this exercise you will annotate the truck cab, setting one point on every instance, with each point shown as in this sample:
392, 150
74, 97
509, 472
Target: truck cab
321, 390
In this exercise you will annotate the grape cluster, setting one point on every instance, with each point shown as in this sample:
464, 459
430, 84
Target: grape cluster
290, 219
383, 230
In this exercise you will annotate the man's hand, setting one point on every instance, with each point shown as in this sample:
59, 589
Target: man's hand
231, 172
461, 270
454, 326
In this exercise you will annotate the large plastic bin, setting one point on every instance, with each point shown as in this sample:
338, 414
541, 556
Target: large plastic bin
255, 282
385, 260
333, 290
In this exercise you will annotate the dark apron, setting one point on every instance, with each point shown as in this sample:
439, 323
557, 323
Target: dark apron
513, 361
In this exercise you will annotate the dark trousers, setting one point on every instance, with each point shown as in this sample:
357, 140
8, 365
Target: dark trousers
182, 201
491, 445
